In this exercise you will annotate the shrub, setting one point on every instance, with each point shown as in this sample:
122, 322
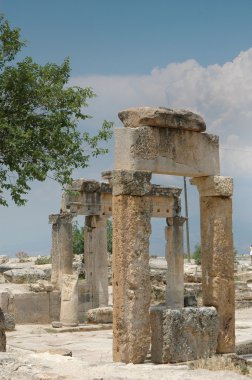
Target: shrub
78, 239
197, 254
41, 260
22, 256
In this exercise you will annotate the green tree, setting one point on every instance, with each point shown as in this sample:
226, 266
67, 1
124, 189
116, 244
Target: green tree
39, 115
197, 254
78, 239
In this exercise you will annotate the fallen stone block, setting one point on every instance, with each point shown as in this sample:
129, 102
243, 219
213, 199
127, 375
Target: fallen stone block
56, 351
4, 259
57, 324
2, 332
9, 322
24, 275
100, 315
41, 286
179, 335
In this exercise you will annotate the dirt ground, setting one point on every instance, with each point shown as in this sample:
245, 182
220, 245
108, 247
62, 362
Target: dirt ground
35, 352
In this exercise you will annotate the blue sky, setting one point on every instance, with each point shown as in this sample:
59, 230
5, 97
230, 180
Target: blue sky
184, 53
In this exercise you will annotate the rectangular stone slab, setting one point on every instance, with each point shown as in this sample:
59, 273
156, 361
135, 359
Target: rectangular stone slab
179, 335
167, 151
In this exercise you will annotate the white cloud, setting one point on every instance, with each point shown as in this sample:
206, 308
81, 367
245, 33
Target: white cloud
221, 94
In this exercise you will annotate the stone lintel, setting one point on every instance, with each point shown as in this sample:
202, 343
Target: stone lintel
107, 175
157, 190
167, 151
88, 186
131, 182
166, 200
65, 217
214, 186
162, 117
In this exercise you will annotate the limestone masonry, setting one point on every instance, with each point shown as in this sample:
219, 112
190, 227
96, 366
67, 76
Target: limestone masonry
170, 142
152, 140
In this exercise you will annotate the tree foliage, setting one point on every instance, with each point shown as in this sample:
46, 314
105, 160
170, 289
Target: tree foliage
78, 238
39, 115
197, 254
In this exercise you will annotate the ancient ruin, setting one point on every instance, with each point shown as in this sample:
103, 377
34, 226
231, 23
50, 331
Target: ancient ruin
152, 140
94, 200
164, 141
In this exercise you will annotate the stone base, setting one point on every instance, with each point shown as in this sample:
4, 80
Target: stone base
179, 335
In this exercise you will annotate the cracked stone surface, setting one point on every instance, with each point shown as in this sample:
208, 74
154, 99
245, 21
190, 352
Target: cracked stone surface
162, 117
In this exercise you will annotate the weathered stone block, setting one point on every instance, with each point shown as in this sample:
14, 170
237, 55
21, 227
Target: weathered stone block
57, 324
54, 305
167, 151
2, 332
214, 186
21, 276
162, 117
82, 184
31, 307
9, 322
100, 315
183, 334
5, 300
126, 182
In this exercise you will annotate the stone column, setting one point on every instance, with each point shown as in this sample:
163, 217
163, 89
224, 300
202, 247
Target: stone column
175, 262
62, 249
96, 259
69, 300
131, 274
217, 254
2, 332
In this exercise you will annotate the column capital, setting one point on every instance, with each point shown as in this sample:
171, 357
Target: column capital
61, 218
131, 182
214, 186
175, 221
94, 221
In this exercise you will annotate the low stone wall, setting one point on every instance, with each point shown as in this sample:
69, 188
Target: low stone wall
42, 307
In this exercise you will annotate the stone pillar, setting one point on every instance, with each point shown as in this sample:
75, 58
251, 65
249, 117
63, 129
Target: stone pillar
175, 262
96, 259
131, 274
217, 254
69, 300
62, 249
2, 332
